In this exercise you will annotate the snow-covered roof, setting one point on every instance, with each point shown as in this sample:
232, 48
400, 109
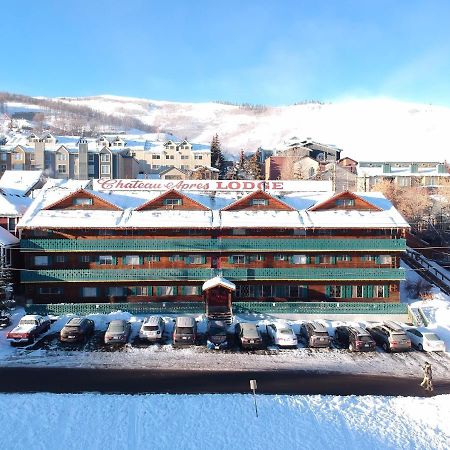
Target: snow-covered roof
128, 215
401, 171
6, 238
20, 181
218, 281
13, 205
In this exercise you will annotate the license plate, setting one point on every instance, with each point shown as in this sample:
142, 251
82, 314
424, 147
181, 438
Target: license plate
71, 337
366, 345
184, 337
252, 341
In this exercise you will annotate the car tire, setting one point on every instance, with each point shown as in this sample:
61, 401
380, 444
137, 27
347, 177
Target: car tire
386, 347
420, 348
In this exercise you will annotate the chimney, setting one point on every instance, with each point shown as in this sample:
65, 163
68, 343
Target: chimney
83, 159
39, 154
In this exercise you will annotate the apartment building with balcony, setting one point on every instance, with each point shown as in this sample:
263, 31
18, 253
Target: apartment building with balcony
151, 245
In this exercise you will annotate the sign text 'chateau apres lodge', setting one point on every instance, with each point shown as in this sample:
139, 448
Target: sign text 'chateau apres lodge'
151, 241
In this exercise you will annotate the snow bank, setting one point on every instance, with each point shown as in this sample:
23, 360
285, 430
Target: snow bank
94, 421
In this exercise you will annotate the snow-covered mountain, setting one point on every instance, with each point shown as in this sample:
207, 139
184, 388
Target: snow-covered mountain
373, 129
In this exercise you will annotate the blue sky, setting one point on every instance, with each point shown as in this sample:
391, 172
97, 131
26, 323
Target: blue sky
270, 52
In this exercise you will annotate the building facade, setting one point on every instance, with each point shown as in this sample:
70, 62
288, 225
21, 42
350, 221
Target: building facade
135, 241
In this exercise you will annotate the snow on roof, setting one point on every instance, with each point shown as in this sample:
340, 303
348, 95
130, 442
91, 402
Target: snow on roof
20, 181
13, 205
129, 217
6, 238
218, 281
401, 171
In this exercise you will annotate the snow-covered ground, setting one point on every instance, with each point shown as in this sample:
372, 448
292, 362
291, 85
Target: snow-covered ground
113, 422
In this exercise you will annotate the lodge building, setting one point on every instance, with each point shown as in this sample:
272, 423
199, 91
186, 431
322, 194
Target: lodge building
291, 243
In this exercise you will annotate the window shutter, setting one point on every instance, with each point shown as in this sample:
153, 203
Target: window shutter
230, 259
317, 259
333, 260
141, 260
291, 259
348, 291
187, 259
327, 290
114, 260
365, 293
183, 290
308, 259
203, 259
377, 259
370, 291
133, 290
363, 258
386, 291
304, 291
158, 291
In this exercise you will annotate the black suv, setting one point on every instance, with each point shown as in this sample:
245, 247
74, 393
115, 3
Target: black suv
315, 334
356, 339
76, 329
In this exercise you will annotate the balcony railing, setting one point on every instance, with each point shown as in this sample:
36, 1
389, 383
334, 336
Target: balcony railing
212, 245
138, 275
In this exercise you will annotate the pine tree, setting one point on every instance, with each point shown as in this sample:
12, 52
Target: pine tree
217, 159
5, 281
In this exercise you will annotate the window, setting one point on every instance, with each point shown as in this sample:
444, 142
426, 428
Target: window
89, 292
184, 167
380, 291
116, 291
132, 260
259, 202
358, 292
253, 258
156, 156
85, 258
198, 157
105, 232
336, 291
105, 260
345, 202
91, 169
61, 258
62, 168
238, 231
51, 290
4, 157
175, 258
280, 257
61, 157
156, 166
105, 157
170, 157
82, 201
385, 259
326, 259
184, 157
105, 169
344, 258
41, 260
153, 258
173, 202
368, 258
91, 157
166, 290
17, 156
12, 224
196, 259
238, 259
299, 259
190, 290
139, 291
298, 291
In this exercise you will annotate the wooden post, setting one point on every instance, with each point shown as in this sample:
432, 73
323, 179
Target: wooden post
253, 387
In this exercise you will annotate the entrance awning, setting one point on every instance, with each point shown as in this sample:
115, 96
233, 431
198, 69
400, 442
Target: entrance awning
218, 281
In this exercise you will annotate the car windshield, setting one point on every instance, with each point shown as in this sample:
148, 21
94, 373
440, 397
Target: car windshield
285, 331
116, 327
217, 330
150, 328
28, 322
71, 327
364, 338
321, 333
431, 336
399, 335
184, 330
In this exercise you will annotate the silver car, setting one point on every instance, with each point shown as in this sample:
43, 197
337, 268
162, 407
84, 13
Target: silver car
152, 329
118, 332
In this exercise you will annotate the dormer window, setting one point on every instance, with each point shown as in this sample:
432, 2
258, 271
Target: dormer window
345, 202
105, 157
82, 201
173, 202
260, 202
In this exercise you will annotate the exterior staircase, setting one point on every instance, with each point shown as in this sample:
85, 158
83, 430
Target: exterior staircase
222, 313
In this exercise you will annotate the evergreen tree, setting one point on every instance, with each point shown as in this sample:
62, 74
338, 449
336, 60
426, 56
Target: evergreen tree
5, 281
217, 159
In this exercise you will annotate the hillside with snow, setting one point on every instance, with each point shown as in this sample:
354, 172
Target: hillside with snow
373, 129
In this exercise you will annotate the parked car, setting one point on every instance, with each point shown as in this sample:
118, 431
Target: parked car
28, 329
391, 337
424, 340
5, 319
315, 334
249, 335
216, 335
185, 331
282, 335
152, 329
77, 329
118, 332
356, 339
